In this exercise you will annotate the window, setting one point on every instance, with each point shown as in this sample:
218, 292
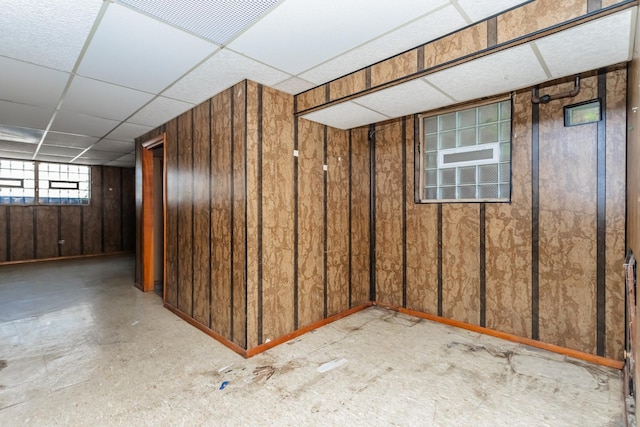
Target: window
467, 154
53, 183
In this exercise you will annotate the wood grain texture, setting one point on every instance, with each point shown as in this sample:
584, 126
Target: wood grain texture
311, 98
70, 229
389, 212
4, 237
310, 222
22, 233
47, 231
128, 209
239, 219
454, 46
221, 214
185, 213
615, 213
337, 221
461, 262
112, 216
568, 189
172, 194
508, 236
394, 68
201, 213
360, 220
537, 15
348, 85
92, 216
277, 183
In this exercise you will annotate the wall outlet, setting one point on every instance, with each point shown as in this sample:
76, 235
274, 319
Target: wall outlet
61, 242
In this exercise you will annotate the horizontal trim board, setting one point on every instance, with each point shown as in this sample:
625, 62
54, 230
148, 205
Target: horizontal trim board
61, 258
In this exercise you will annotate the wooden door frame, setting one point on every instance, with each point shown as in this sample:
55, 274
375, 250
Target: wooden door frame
147, 215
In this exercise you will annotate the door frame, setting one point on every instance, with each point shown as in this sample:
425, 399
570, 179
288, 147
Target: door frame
147, 220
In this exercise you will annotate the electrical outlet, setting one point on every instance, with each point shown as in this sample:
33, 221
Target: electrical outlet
61, 242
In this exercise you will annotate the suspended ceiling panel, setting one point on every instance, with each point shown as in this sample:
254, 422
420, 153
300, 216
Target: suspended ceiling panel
116, 146
19, 147
69, 140
477, 10
294, 85
346, 115
160, 110
101, 155
133, 50
20, 134
54, 150
14, 114
31, 84
21, 155
82, 124
128, 131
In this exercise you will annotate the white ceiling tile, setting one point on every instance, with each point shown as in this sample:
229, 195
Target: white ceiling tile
82, 124
53, 158
220, 72
117, 146
100, 155
9, 154
435, 24
116, 102
159, 111
49, 33
133, 50
53, 150
294, 85
408, 98
490, 75
596, 44
128, 131
118, 164
19, 147
346, 115
20, 134
479, 10
14, 114
31, 84
127, 158
69, 140
89, 162
300, 34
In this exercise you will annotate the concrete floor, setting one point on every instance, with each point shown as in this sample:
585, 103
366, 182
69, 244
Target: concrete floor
79, 345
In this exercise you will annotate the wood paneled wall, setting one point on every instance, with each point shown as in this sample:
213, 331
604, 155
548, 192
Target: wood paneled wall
548, 265
106, 225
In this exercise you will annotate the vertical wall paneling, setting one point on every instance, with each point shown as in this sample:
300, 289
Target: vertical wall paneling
138, 214
92, 216
483, 266
535, 222
324, 217
111, 216
128, 210
22, 232
260, 195
296, 220
46, 231
5, 231
601, 224
372, 208
185, 213
172, 192
350, 219
440, 274
360, 216
404, 212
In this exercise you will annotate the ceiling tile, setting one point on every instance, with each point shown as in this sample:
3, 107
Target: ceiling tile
53, 158
412, 97
116, 146
128, 131
8, 154
127, 158
14, 114
82, 124
49, 33
479, 10
69, 140
436, 24
100, 155
89, 162
31, 84
346, 115
19, 147
159, 111
220, 72
116, 102
490, 75
294, 85
300, 34
20, 134
133, 50
53, 150
119, 164
596, 44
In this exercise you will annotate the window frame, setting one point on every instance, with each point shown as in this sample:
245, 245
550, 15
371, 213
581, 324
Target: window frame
420, 180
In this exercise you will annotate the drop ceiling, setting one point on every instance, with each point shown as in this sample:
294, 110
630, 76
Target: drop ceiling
80, 79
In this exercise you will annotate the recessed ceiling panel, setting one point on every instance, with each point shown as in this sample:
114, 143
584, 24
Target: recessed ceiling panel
479, 10
53, 158
116, 102
22, 155
408, 98
218, 22
596, 44
82, 124
31, 84
54, 150
490, 75
14, 114
128, 131
436, 24
133, 50
116, 146
19, 147
159, 111
346, 115
300, 34
20, 134
294, 85
220, 72
69, 140
119, 164
101, 155
49, 33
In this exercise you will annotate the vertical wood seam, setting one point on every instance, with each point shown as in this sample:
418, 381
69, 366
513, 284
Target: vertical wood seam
260, 301
296, 225
8, 231
535, 221
59, 230
404, 212
232, 212
601, 309
193, 222
372, 210
350, 250
325, 168
177, 241
246, 221
416, 159
209, 186
440, 281
483, 266
35, 232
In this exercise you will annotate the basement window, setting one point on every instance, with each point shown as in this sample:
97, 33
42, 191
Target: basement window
27, 183
467, 154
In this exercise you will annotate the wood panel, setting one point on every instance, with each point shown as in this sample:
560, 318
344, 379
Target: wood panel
112, 215
201, 213
221, 214
21, 225
47, 226
185, 213
348, 85
310, 222
128, 209
337, 221
457, 45
394, 68
92, 216
239, 215
568, 188
4, 238
172, 192
311, 98
360, 156
277, 205
71, 229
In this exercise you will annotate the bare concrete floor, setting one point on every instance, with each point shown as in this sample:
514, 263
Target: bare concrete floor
79, 345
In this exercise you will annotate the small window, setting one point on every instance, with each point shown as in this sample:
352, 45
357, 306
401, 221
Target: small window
467, 154
17, 182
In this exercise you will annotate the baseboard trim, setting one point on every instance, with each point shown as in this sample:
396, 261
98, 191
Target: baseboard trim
62, 258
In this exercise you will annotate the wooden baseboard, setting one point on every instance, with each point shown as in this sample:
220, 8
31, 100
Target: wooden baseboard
62, 258
587, 357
